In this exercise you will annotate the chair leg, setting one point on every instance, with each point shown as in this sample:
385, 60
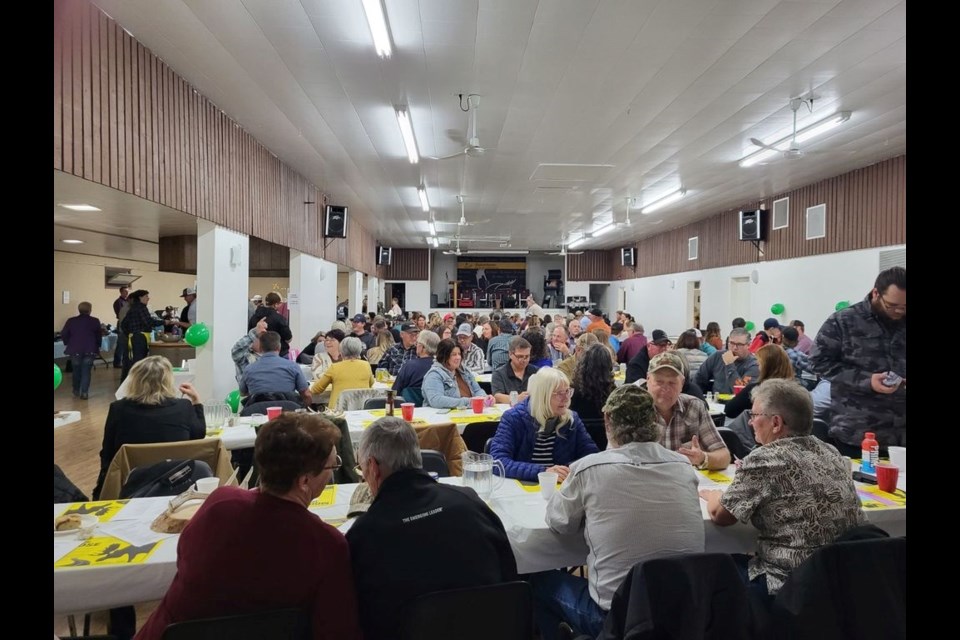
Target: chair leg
72, 624
86, 624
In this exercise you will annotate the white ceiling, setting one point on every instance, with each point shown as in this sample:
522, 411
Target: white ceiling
668, 92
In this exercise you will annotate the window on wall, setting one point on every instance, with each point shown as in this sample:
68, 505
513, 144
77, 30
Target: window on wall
816, 222
693, 248
781, 213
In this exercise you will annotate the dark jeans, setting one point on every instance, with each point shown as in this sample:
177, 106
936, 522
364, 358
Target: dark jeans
561, 597
82, 366
756, 588
139, 349
120, 350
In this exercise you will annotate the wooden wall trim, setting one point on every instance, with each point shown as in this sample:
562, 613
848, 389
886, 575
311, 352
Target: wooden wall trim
122, 118
866, 208
407, 264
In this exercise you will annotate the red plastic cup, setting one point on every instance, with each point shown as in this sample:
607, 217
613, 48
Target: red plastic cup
274, 412
887, 475
738, 388
477, 404
407, 409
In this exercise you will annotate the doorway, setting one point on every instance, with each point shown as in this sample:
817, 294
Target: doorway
693, 303
396, 290
740, 298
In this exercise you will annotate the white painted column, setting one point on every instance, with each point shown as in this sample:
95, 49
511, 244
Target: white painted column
223, 261
356, 293
312, 297
375, 294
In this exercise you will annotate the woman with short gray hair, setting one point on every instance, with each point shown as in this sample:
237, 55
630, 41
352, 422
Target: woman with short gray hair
350, 373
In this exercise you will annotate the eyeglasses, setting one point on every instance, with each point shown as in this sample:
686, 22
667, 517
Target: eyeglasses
892, 307
753, 414
337, 466
564, 393
520, 357
737, 344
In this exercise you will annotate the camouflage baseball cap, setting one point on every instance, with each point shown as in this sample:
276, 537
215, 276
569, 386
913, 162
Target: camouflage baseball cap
666, 360
631, 405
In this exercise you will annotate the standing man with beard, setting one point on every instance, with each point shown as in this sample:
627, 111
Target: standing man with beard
856, 349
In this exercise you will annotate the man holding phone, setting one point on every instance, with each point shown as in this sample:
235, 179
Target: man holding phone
862, 350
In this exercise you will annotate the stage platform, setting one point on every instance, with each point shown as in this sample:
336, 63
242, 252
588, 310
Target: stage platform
487, 311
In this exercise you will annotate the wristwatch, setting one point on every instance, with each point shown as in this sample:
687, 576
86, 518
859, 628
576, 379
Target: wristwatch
703, 465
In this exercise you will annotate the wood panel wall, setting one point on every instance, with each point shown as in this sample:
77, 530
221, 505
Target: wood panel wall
407, 264
124, 119
590, 265
865, 208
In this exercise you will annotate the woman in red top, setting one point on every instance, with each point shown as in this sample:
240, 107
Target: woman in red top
262, 550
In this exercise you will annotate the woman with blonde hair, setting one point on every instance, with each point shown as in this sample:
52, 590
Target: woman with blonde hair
384, 341
541, 433
150, 412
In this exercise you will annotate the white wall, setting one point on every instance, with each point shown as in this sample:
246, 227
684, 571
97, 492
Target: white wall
417, 294
538, 264
809, 288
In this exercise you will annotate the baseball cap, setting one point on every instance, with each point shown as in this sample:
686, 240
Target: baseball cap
659, 336
358, 318
188, 292
447, 316
771, 323
256, 298
666, 360
465, 329
409, 327
629, 404
596, 312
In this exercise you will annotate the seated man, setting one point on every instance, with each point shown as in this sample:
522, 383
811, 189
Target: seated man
412, 372
514, 375
418, 536
722, 370
473, 358
685, 423
262, 550
395, 357
246, 350
272, 377
619, 496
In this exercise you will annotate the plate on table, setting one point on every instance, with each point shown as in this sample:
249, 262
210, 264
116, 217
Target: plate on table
87, 522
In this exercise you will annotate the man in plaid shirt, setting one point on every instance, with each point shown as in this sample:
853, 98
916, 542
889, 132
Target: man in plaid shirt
685, 423
406, 349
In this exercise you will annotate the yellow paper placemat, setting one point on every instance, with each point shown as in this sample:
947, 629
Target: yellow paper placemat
468, 417
872, 498
327, 498
103, 509
717, 476
532, 488
106, 550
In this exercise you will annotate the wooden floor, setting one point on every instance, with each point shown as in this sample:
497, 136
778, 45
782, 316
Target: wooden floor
76, 448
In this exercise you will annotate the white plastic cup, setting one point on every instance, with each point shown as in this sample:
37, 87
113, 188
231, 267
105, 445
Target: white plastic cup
898, 456
548, 483
207, 485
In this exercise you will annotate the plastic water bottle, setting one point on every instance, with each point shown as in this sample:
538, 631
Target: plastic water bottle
514, 396
869, 452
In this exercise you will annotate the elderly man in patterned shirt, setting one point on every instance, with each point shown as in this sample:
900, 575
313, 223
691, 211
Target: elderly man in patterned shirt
685, 422
406, 349
473, 358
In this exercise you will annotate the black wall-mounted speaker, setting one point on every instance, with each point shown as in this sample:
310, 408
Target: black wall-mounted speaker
384, 255
335, 222
628, 257
752, 224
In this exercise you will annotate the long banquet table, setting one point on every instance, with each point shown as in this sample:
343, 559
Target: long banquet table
127, 563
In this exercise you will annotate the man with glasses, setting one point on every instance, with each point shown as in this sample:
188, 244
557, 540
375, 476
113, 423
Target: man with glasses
857, 349
418, 536
722, 370
473, 358
514, 375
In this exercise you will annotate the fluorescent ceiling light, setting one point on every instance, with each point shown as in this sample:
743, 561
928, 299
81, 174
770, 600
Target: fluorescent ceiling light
433, 228
436, 242
664, 201
603, 230
80, 207
576, 243
406, 130
377, 20
807, 133
71, 241
424, 203
515, 252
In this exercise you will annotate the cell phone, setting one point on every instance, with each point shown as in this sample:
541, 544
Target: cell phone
442, 411
892, 379
866, 478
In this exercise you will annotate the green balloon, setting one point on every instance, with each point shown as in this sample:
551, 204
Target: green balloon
750, 326
197, 334
777, 309
57, 376
233, 400
843, 304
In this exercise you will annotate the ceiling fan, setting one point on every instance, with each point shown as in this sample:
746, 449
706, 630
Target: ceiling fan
473, 147
794, 150
454, 251
563, 252
463, 218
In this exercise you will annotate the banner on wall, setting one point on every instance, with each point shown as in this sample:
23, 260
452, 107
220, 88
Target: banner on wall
492, 274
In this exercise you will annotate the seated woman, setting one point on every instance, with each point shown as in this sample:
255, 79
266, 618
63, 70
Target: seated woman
541, 433
593, 381
384, 341
448, 384
330, 353
262, 550
795, 489
774, 363
350, 373
539, 355
150, 413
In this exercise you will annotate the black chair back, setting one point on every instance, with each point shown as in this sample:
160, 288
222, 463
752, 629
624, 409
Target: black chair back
377, 403
733, 442
821, 430
285, 624
261, 407
434, 461
507, 614
476, 434
597, 431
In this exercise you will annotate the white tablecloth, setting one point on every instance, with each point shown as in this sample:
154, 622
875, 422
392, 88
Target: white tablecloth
107, 343
81, 589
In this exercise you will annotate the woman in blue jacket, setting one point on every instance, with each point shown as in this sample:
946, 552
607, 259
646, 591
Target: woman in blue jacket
448, 384
541, 433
